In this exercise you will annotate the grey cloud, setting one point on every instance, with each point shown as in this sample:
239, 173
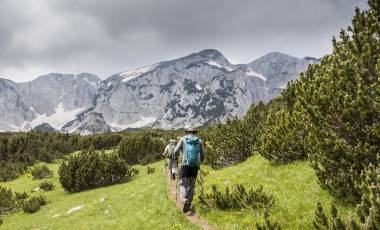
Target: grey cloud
105, 37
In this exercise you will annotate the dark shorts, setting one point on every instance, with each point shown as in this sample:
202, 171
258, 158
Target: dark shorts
187, 171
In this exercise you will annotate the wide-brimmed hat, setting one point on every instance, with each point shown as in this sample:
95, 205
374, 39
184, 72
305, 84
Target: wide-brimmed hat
172, 141
191, 130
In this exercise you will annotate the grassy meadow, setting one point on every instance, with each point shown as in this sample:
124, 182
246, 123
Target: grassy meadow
293, 185
142, 203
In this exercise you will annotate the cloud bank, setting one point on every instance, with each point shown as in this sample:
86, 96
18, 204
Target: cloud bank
105, 37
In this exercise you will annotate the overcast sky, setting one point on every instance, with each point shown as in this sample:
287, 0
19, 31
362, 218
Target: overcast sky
109, 36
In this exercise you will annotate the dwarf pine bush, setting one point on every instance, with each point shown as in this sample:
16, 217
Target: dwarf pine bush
21, 195
33, 204
236, 198
92, 169
150, 170
46, 185
41, 172
368, 209
141, 149
8, 203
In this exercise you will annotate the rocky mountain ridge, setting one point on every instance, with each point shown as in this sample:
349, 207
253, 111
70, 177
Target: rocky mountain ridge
198, 89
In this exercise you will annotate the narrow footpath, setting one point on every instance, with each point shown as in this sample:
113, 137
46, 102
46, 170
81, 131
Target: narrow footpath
192, 216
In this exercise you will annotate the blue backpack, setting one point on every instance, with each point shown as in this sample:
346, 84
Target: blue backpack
192, 150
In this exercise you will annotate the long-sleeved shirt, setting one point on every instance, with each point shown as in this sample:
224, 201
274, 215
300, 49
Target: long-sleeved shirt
180, 146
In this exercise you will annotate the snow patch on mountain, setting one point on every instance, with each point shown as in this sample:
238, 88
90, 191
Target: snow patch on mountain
140, 123
57, 119
198, 86
214, 63
131, 74
91, 83
252, 73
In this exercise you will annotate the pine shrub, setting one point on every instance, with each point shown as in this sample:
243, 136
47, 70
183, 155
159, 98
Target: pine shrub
33, 204
238, 198
11, 170
141, 148
8, 202
368, 210
227, 143
21, 195
150, 170
46, 186
134, 172
92, 169
340, 97
283, 138
41, 172
268, 224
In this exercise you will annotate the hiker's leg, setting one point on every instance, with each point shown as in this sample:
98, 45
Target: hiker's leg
191, 188
193, 172
170, 167
183, 185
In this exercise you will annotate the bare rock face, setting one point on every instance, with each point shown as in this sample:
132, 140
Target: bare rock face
198, 89
13, 108
54, 99
194, 90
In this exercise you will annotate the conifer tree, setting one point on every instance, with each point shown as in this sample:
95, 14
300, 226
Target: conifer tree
228, 143
282, 139
340, 98
368, 210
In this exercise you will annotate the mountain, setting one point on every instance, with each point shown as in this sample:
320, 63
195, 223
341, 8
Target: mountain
53, 98
198, 89
13, 108
194, 90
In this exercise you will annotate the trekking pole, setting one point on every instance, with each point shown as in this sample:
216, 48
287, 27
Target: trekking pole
165, 173
176, 182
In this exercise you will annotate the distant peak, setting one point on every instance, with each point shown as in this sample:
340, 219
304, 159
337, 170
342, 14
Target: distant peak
273, 56
210, 53
278, 54
202, 56
83, 75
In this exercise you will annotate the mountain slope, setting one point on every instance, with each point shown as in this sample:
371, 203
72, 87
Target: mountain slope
13, 108
54, 99
277, 69
197, 89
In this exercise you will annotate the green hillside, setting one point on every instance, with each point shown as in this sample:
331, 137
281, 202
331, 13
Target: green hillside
293, 185
142, 203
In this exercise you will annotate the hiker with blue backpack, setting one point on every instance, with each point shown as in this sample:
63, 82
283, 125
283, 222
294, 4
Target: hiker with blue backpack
191, 156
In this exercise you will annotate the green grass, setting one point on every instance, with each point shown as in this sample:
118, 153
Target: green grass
142, 203
294, 186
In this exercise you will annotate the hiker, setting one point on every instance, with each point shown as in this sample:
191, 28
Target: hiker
172, 160
191, 156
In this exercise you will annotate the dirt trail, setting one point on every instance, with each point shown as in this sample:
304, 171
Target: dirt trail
193, 217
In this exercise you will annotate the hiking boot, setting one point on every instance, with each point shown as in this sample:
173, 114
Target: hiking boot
186, 207
173, 176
